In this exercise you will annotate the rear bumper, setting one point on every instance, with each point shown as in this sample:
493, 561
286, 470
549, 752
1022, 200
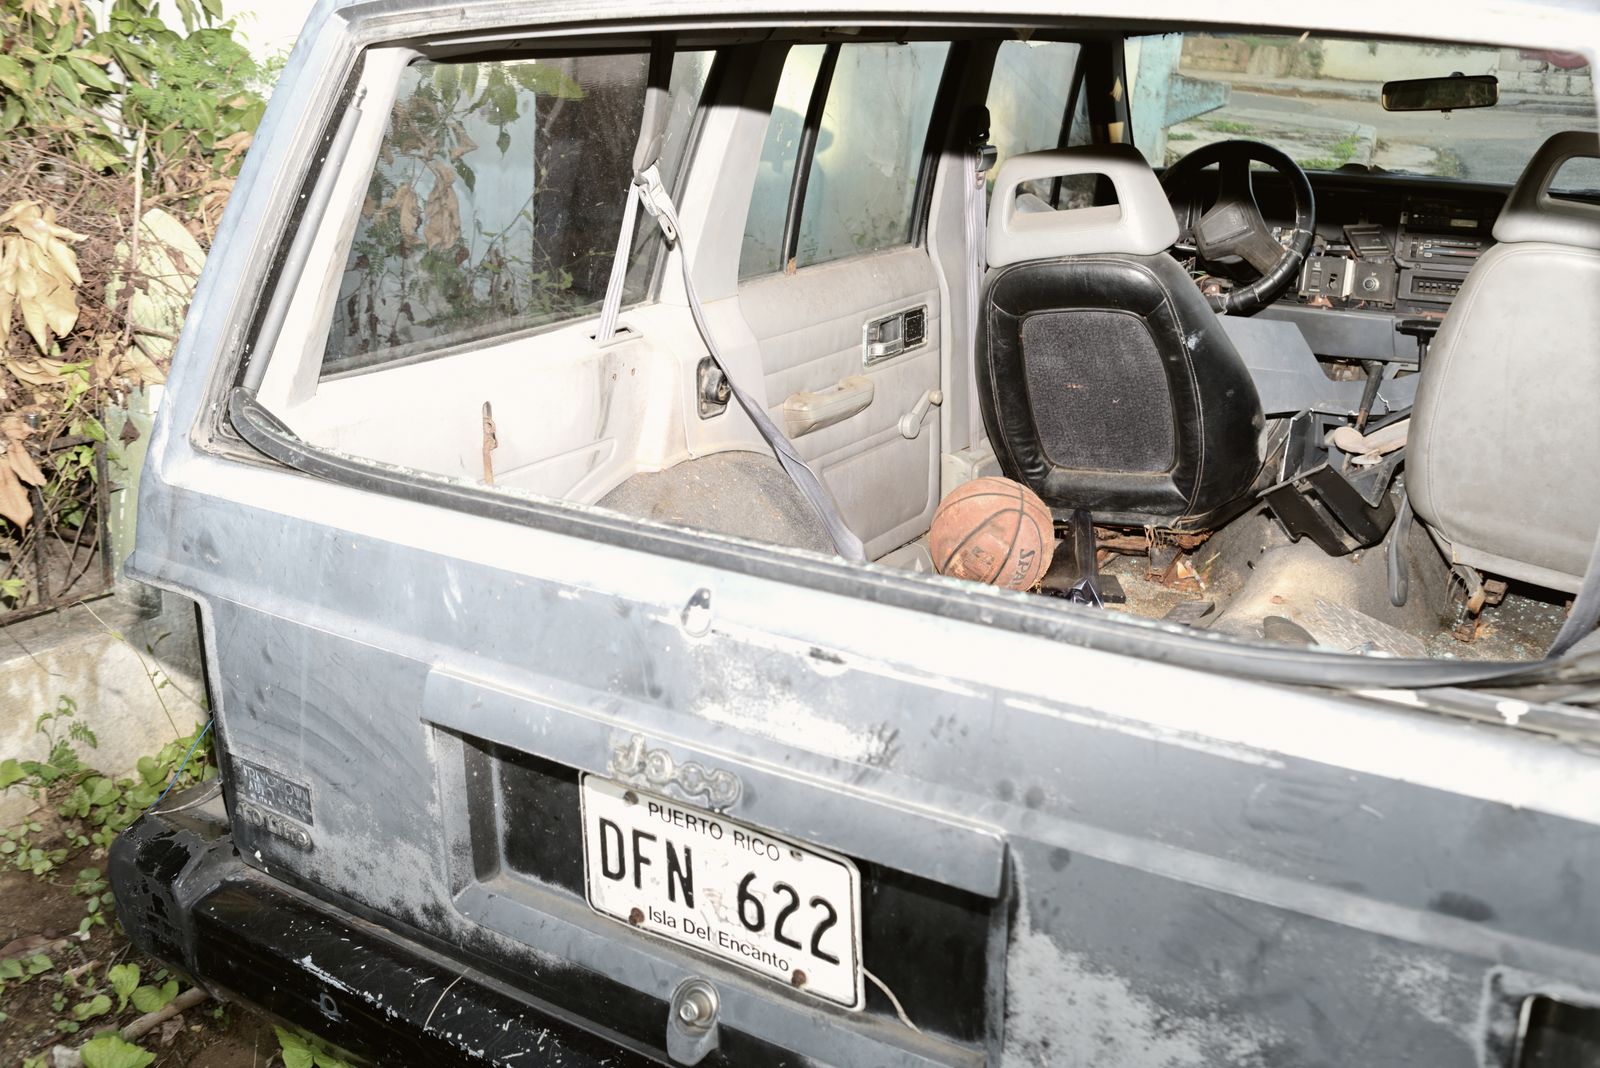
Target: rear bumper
184, 896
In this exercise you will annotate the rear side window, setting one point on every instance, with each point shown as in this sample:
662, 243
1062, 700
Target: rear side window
762, 252
862, 186
496, 200
865, 155
1028, 98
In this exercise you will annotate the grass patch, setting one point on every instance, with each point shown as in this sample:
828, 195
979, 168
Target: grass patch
1339, 153
1185, 136
1229, 126
1448, 164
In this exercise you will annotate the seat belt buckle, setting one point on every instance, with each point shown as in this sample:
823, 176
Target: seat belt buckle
653, 195
987, 154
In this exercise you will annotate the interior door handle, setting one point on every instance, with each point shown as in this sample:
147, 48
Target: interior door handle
805, 412
885, 338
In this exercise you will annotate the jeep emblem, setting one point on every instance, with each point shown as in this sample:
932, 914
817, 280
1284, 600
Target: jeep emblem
634, 761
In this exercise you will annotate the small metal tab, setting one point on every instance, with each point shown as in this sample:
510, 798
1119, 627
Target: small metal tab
712, 390
692, 1030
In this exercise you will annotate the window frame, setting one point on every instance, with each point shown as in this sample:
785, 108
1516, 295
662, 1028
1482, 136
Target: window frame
653, 278
927, 166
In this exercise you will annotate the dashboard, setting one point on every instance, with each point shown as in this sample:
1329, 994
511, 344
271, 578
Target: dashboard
1389, 250
1414, 263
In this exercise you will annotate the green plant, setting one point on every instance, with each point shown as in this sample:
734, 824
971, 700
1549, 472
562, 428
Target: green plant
106, 113
94, 808
89, 86
1339, 153
146, 997
1229, 126
302, 1050
112, 1051
91, 886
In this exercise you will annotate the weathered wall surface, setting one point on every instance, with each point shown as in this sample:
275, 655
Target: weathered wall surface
132, 665
1542, 74
131, 661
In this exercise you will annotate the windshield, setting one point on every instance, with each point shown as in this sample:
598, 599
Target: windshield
1317, 99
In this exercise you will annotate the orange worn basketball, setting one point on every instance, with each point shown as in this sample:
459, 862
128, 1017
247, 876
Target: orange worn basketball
993, 530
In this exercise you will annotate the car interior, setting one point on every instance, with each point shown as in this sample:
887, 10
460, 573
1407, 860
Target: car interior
1274, 378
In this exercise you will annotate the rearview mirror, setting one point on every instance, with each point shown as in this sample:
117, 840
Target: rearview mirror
1442, 94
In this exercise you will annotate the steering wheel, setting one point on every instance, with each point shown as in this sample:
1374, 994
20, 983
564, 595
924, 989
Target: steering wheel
1232, 228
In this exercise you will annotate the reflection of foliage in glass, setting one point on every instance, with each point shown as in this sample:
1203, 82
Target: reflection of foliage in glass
417, 272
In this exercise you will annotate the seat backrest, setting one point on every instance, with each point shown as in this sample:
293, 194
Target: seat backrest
1105, 380
1505, 437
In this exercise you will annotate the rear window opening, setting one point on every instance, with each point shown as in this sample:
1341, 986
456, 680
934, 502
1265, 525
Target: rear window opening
444, 333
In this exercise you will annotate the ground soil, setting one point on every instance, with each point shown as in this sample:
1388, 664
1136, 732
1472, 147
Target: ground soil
38, 911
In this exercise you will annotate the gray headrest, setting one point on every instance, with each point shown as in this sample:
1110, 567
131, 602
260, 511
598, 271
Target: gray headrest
1141, 223
1532, 214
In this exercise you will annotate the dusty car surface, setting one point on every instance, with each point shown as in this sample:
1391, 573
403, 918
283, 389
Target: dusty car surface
552, 451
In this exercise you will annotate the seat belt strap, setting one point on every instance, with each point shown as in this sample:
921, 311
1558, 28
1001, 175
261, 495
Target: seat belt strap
611, 308
646, 190
658, 203
646, 152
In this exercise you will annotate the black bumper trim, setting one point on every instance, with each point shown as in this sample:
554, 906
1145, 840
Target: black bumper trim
184, 896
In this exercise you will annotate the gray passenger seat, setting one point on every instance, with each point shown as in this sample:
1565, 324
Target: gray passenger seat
1505, 437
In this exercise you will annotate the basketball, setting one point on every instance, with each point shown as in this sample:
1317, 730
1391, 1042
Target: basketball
993, 530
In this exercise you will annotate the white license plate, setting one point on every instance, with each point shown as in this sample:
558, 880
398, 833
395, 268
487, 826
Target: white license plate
787, 911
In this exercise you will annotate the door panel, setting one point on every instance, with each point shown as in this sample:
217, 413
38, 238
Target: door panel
808, 330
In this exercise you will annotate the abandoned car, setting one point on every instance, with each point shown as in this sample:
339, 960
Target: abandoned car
1059, 533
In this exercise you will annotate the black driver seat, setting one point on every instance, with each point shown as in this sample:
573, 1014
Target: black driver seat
1105, 380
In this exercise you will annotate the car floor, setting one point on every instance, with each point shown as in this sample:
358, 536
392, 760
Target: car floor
1251, 581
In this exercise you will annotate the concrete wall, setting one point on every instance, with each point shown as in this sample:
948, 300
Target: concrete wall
1360, 61
1375, 62
131, 660
132, 664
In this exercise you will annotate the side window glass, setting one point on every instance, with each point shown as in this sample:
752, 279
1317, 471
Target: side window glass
762, 252
862, 186
495, 203
1028, 97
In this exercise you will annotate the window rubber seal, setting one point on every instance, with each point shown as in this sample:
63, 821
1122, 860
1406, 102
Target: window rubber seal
806, 151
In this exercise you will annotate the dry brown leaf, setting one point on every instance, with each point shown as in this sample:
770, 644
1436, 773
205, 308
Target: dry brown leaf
8, 255
443, 212
38, 273
15, 427
105, 357
34, 372
405, 202
139, 367
39, 226
464, 144
23, 465
14, 502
